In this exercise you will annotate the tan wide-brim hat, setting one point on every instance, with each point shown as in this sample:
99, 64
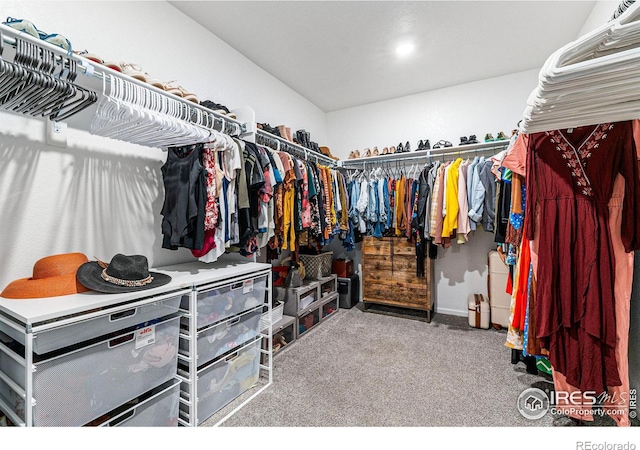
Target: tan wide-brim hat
53, 276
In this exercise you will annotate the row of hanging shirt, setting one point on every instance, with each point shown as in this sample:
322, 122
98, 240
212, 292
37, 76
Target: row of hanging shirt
441, 201
234, 195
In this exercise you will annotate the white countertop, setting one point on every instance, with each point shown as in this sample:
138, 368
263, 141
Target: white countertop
183, 278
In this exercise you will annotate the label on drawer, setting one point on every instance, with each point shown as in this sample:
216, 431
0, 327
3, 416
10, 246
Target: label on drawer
248, 287
145, 336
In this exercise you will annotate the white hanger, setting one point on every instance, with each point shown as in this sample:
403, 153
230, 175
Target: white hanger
591, 80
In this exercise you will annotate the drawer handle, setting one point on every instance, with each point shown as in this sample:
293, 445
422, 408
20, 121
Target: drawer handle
232, 356
123, 315
234, 321
126, 416
121, 340
238, 285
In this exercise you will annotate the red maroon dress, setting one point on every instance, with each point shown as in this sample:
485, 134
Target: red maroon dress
570, 177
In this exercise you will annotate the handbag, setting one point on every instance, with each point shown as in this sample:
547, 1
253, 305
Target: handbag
296, 273
294, 278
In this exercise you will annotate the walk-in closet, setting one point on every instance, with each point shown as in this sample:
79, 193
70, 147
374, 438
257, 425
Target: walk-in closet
344, 218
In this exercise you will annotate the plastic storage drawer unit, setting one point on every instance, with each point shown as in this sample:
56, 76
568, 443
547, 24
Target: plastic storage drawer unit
74, 388
219, 303
226, 379
57, 338
227, 335
159, 410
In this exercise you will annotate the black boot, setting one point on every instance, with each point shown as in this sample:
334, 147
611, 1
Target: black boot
530, 362
515, 356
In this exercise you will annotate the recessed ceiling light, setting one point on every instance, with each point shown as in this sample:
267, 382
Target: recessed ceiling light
404, 49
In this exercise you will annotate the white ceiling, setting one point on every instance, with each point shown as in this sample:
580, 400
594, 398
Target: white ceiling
340, 54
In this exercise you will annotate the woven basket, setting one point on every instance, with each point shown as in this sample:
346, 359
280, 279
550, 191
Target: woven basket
317, 266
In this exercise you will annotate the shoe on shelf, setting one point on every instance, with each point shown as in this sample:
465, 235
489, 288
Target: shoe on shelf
352, 155
489, 137
442, 143
501, 136
392, 150
59, 40
473, 139
356, 154
367, 152
407, 147
327, 152
283, 131
24, 26
375, 151
113, 66
427, 145
420, 145
188, 95
385, 151
463, 140
399, 148
135, 71
90, 56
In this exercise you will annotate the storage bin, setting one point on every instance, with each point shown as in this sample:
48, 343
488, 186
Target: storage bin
226, 379
222, 302
74, 388
158, 410
309, 319
330, 306
56, 338
225, 336
317, 266
328, 285
301, 297
276, 314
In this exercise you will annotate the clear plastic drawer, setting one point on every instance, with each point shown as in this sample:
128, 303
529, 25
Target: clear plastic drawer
159, 410
225, 301
226, 335
226, 379
74, 388
57, 338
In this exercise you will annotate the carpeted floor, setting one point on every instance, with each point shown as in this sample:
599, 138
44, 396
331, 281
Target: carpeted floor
382, 369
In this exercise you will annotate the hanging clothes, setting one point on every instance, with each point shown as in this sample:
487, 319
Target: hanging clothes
575, 308
183, 210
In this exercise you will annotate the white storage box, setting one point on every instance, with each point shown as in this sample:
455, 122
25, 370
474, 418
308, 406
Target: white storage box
226, 379
74, 388
219, 303
277, 313
226, 335
159, 410
57, 338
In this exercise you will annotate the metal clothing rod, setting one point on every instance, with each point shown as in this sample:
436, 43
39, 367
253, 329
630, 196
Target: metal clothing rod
290, 147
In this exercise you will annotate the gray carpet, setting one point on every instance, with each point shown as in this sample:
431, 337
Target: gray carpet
373, 369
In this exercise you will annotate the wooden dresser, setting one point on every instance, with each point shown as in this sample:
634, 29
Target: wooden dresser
389, 275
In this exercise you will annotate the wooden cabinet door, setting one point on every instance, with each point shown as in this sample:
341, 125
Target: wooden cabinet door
389, 273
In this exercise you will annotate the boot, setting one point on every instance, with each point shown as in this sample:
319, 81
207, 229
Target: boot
326, 152
289, 135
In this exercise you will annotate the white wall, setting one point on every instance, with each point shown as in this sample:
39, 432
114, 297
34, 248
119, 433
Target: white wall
100, 196
600, 14
482, 107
